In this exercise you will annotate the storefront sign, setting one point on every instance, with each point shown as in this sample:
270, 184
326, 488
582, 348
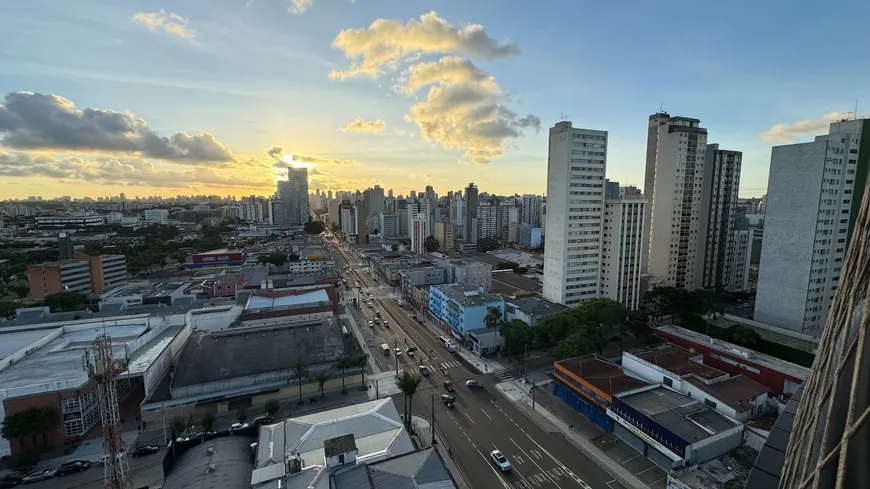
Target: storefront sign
646, 438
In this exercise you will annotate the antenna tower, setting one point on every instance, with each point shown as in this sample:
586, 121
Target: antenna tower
102, 370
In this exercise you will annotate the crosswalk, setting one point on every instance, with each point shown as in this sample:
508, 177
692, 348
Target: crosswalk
506, 374
445, 365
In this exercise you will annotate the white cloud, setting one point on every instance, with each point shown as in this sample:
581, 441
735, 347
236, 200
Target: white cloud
299, 6
361, 125
164, 21
785, 133
386, 42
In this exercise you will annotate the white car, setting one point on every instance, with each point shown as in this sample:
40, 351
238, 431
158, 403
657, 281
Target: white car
238, 426
500, 460
371, 324
398, 352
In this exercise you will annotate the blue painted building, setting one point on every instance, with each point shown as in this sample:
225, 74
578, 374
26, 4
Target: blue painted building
462, 308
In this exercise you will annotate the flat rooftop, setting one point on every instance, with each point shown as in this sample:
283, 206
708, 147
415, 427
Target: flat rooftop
536, 306
601, 374
12, 341
467, 294
220, 251
765, 360
61, 359
684, 416
290, 298
145, 355
735, 392
678, 360
508, 282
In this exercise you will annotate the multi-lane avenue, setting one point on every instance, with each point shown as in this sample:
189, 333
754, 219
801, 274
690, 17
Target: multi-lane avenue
483, 419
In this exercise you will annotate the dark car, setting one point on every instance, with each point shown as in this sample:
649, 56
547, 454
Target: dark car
448, 400
73, 466
424, 370
145, 450
449, 386
263, 420
9, 481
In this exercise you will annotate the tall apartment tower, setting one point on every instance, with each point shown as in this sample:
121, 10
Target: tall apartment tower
361, 222
813, 198
471, 203
374, 198
721, 181
444, 235
622, 252
293, 193
676, 231
575, 198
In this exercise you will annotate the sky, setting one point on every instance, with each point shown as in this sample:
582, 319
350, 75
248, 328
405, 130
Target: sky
218, 96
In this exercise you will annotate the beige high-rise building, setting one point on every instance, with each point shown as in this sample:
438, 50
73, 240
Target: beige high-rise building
445, 236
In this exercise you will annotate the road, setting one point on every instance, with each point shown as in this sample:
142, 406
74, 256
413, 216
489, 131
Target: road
483, 419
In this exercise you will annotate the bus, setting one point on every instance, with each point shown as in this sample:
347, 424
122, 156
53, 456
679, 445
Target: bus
386, 349
447, 344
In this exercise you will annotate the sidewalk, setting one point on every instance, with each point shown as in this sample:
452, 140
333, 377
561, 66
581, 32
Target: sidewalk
519, 393
483, 365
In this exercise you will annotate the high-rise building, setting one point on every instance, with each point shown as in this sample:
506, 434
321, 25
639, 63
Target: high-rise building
333, 211
347, 218
251, 210
611, 190
676, 257
362, 231
430, 193
813, 197
532, 207
159, 216
60, 276
294, 194
630, 192
64, 247
374, 199
720, 184
419, 232
487, 221
470, 217
622, 252
575, 197
388, 223
444, 234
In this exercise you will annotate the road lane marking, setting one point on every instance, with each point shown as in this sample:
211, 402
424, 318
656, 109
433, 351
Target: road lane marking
484, 413
561, 465
536, 464
489, 464
469, 417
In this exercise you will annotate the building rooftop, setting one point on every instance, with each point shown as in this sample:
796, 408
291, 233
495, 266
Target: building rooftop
13, 340
735, 392
536, 306
768, 361
286, 298
209, 357
338, 445
689, 419
678, 360
377, 430
220, 251
508, 282
422, 468
146, 354
466, 294
230, 456
602, 374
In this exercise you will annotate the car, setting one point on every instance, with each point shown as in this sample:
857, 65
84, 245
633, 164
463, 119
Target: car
473, 384
424, 370
9, 481
371, 305
378, 313
411, 350
73, 466
400, 303
238, 426
145, 450
377, 321
39, 475
448, 400
500, 460
386, 324
262, 420
372, 324
398, 352
449, 386
368, 292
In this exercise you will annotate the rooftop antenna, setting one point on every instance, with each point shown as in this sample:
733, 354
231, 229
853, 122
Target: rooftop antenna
856, 108
563, 117
661, 107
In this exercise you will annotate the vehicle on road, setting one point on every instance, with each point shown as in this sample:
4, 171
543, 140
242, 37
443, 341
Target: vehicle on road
377, 321
398, 352
39, 475
386, 324
500, 460
72, 467
9, 481
368, 292
400, 303
262, 420
447, 344
145, 450
448, 400
372, 324
473, 384
371, 305
378, 313
238, 426
424, 370
449, 386
411, 350
386, 349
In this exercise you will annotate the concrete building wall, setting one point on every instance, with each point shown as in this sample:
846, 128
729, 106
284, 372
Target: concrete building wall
622, 252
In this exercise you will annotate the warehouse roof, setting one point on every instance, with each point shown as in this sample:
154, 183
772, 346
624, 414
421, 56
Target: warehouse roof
689, 419
735, 392
678, 360
230, 457
601, 374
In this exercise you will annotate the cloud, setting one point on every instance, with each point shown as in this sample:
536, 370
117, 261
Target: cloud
386, 42
36, 121
322, 161
784, 133
105, 170
167, 22
464, 109
361, 125
299, 6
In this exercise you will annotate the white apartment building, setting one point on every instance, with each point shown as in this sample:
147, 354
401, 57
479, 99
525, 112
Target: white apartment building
721, 182
251, 210
622, 251
388, 224
159, 216
487, 221
813, 198
532, 208
347, 215
676, 251
575, 199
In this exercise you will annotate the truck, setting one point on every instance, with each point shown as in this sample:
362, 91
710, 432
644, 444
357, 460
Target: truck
386, 349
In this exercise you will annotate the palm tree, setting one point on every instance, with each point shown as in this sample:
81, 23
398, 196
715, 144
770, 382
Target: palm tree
361, 362
300, 372
15, 427
45, 419
408, 383
321, 378
342, 364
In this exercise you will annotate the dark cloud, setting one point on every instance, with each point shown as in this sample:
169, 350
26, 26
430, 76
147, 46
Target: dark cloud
36, 121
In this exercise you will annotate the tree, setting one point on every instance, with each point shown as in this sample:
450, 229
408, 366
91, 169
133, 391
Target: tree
520, 270
488, 244
180, 257
517, 336
293, 257
574, 346
65, 301
321, 378
314, 227
743, 336
300, 373
277, 259
602, 319
44, 420
556, 327
361, 362
262, 259
24, 462
408, 383
272, 406
506, 265
342, 364
242, 414
20, 290
492, 318
431, 244
177, 427
208, 421
16, 427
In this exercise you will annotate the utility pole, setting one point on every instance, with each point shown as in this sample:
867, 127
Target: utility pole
432, 421
163, 419
533, 394
526, 363
396, 347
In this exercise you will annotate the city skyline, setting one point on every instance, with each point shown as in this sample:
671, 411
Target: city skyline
217, 98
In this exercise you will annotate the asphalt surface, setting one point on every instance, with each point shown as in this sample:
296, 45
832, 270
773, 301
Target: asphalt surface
483, 420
